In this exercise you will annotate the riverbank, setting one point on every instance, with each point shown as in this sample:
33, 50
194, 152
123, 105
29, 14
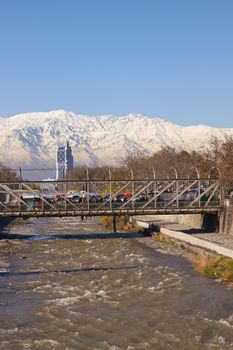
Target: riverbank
210, 252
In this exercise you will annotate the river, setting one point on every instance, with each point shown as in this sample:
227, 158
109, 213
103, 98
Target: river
67, 284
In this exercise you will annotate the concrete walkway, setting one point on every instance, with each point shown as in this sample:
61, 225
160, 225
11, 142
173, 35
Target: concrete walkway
215, 242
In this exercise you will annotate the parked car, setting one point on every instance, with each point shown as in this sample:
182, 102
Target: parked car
76, 198
120, 197
106, 197
140, 199
95, 197
127, 195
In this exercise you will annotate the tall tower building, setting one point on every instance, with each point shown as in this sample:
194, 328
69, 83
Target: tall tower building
64, 161
69, 157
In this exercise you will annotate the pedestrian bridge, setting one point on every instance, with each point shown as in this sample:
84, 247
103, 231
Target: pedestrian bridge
110, 197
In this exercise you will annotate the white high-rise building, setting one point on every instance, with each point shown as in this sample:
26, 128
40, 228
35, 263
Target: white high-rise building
64, 161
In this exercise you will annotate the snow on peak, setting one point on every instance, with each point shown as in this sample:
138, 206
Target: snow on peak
31, 139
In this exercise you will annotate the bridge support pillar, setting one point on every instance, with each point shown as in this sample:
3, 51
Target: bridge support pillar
210, 223
226, 218
114, 223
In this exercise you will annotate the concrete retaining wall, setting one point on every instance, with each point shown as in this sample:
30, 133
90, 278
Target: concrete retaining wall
209, 222
192, 220
194, 241
198, 242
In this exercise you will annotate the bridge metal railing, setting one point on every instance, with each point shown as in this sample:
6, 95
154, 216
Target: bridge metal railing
110, 197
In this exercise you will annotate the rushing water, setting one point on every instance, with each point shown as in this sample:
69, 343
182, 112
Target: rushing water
67, 284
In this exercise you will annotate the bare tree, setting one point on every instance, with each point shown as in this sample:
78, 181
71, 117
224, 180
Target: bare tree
7, 174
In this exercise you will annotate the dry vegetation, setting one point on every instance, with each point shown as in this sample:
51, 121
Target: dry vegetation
122, 223
215, 161
163, 238
214, 266
6, 174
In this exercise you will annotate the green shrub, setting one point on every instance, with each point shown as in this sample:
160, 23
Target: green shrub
219, 268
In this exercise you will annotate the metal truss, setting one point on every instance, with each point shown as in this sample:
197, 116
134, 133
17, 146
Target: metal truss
110, 197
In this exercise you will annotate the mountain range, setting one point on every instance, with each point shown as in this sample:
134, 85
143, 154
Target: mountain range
31, 139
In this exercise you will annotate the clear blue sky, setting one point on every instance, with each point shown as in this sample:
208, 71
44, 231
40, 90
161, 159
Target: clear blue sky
167, 58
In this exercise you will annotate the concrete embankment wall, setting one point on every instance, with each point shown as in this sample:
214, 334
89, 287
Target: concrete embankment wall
190, 241
207, 222
197, 242
222, 223
193, 220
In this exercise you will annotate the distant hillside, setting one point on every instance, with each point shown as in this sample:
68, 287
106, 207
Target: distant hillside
31, 139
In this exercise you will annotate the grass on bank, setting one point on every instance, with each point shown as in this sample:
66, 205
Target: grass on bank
163, 238
216, 267
209, 264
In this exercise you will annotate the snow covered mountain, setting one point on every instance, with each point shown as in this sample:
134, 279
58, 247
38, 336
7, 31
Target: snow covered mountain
31, 139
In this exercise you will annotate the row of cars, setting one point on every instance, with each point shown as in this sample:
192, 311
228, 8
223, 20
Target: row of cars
83, 196
93, 197
59, 199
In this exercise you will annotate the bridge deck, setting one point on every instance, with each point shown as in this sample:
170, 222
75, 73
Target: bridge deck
108, 212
